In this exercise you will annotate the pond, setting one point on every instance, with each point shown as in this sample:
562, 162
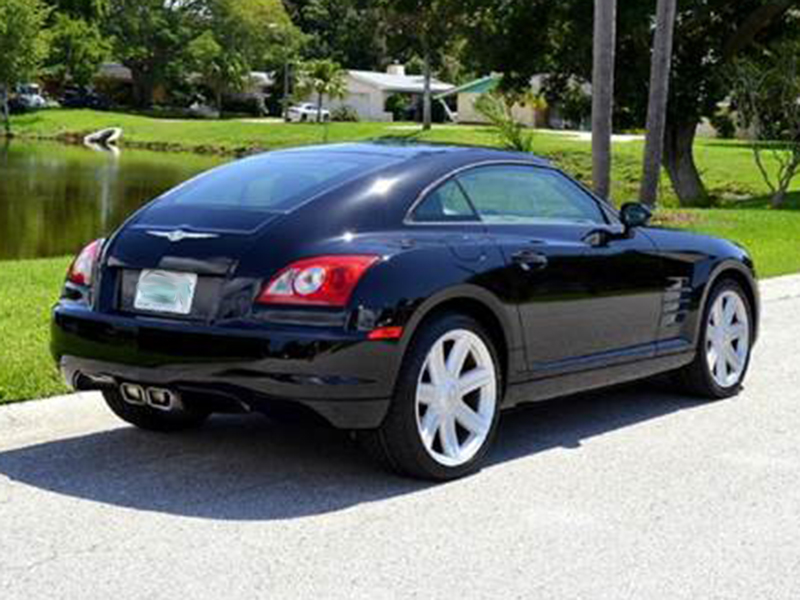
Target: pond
54, 198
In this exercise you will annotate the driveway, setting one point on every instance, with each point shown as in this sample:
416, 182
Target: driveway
634, 493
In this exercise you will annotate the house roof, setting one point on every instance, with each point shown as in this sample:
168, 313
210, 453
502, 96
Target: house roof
262, 78
478, 86
113, 70
490, 82
412, 84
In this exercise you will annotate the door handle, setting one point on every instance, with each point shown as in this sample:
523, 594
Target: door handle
530, 260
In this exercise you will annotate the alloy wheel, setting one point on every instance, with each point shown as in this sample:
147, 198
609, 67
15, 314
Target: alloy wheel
456, 397
727, 339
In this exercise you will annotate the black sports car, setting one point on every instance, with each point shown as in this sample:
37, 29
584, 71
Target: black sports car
407, 292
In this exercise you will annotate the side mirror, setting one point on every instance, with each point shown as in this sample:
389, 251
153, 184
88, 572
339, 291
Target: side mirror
634, 214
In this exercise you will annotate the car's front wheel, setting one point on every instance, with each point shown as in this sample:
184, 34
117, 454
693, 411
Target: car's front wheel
445, 410
724, 346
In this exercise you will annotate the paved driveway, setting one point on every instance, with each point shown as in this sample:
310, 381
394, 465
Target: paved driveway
635, 493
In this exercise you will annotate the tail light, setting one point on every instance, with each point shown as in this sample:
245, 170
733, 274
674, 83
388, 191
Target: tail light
320, 281
81, 269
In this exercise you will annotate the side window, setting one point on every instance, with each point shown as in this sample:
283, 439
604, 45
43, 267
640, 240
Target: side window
446, 203
511, 194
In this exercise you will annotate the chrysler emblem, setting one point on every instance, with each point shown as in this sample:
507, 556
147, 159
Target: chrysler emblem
177, 235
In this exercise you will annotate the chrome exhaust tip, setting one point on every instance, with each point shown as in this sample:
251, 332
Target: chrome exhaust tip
162, 399
133, 394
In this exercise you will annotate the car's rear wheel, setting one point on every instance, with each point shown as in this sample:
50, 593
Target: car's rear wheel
724, 347
153, 419
444, 414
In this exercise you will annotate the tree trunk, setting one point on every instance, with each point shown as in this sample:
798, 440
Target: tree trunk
426, 94
319, 107
605, 33
6, 116
679, 161
285, 101
778, 199
142, 89
659, 96
218, 98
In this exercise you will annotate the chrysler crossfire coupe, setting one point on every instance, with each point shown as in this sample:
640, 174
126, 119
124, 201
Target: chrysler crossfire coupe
408, 293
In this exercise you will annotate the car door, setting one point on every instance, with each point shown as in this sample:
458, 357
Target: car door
588, 294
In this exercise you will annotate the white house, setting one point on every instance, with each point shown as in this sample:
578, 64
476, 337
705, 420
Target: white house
367, 91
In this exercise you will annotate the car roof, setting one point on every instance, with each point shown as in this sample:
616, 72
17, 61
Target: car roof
406, 150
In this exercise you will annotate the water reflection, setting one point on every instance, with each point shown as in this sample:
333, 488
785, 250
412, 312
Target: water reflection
54, 197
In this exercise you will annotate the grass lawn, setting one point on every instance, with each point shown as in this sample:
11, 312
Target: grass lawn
727, 166
771, 236
29, 288
27, 291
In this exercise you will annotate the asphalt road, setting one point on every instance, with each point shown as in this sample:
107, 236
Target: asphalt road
634, 493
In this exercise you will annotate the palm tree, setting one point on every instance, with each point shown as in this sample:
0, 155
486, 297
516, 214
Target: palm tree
605, 34
429, 28
324, 78
659, 95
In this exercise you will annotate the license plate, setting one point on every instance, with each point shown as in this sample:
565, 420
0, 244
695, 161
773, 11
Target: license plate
165, 291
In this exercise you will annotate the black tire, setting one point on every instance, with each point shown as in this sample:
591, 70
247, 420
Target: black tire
152, 419
396, 444
696, 378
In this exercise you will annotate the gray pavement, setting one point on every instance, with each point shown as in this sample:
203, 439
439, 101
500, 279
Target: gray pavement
634, 493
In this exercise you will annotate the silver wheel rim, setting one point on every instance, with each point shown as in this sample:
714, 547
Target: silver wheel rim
727, 339
456, 398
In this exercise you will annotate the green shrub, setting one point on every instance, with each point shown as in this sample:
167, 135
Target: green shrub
724, 125
399, 106
344, 113
497, 110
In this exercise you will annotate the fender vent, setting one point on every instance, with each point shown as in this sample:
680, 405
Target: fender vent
677, 301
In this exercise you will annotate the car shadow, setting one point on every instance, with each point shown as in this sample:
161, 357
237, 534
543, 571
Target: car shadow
250, 468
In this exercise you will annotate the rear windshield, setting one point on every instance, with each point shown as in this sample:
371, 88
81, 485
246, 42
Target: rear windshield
277, 182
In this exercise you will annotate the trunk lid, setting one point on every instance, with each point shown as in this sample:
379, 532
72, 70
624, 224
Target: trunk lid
209, 243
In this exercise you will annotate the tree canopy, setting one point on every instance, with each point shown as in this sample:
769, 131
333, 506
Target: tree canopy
350, 32
521, 38
149, 37
766, 93
22, 45
221, 41
77, 48
238, 36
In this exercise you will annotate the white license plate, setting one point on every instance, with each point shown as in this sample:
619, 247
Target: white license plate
165, 291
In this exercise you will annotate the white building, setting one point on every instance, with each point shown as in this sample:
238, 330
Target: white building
367, 91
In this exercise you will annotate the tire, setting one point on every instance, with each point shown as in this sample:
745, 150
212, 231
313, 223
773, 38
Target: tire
152, 419
699, 377
450, 449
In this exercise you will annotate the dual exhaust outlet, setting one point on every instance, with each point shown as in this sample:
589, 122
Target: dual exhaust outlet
160, 398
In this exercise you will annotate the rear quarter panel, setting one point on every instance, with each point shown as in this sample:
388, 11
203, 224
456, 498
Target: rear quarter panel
424, 271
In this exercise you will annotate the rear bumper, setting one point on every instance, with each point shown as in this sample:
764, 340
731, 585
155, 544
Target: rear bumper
339, 375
